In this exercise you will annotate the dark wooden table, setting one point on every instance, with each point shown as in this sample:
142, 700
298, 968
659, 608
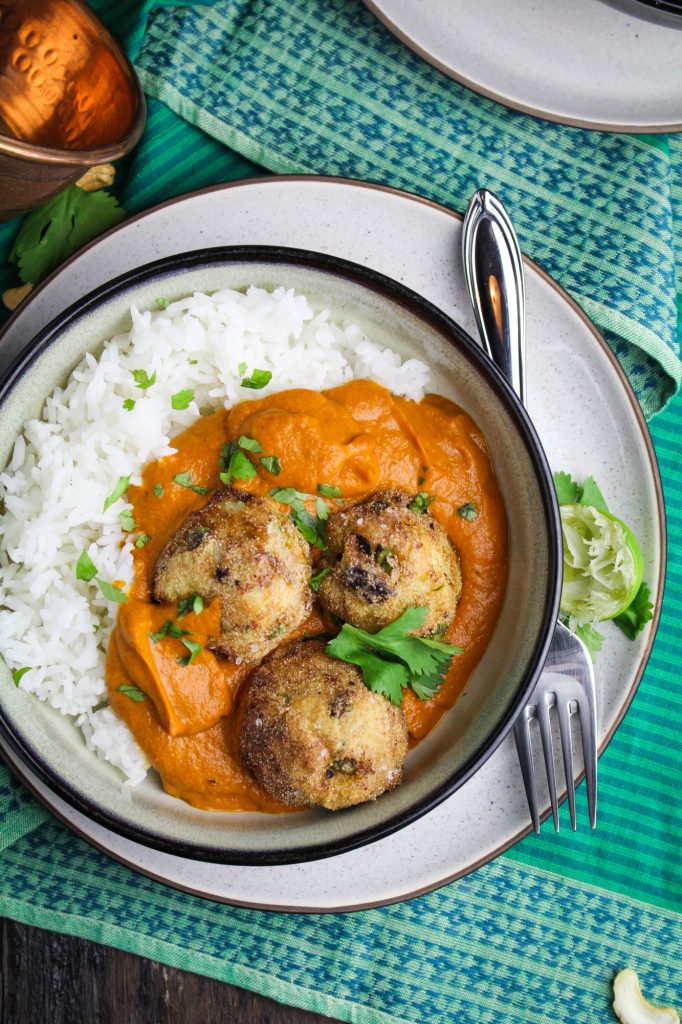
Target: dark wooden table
55, 979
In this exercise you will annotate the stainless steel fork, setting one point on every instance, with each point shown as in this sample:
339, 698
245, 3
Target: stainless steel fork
493, 268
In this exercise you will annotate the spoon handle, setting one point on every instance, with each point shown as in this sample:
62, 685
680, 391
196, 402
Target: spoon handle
493, 269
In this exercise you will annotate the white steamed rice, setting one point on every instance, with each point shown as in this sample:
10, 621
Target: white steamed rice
65, 465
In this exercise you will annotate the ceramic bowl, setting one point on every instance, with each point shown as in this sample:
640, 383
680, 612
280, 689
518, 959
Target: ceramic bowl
54, 749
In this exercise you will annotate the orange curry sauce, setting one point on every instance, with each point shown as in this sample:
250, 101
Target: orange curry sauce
359, 438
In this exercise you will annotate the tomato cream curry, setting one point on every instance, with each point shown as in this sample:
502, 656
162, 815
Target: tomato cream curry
358, 439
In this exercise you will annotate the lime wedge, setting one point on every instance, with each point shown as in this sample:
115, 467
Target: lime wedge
602, 564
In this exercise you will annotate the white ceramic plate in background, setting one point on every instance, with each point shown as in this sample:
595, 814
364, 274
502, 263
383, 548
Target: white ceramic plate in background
615, 65
588, 421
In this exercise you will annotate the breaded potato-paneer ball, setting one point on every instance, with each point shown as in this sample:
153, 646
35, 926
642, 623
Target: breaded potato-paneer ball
243, 550
314, 735
384, 556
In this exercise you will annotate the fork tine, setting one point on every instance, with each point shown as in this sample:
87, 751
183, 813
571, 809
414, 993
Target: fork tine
525, 755
564, 712
545, 724
588, 728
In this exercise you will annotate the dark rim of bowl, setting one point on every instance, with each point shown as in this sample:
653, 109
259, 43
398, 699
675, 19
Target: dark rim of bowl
450, 330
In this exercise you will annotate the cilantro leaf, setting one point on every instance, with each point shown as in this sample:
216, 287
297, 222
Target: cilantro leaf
18, 674
593, 496
235, 464
272, 464
312, 528
142, 379
59, 227
85, 568
127, 520
257, 380
241, 369
193, 603
132, 692
159, 491
637, 614
118, 492
329, 492
169, 628
393, 659
421, 502
567, 490
290, 496
194, 650
592, 638
143, 539
181, 399
250, 444
468, 511
162, 303
129, 404
316, 580
111, 592
185, 480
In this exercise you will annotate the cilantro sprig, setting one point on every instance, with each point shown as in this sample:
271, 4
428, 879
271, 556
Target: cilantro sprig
312, 527
185, 480
633, 620
393, 660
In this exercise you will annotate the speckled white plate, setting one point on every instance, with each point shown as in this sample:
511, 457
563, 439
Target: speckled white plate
588, 421
615, 65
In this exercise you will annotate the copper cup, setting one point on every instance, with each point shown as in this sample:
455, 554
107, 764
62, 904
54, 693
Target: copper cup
69, 99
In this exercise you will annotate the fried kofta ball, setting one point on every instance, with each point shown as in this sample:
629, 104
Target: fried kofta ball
314, 735
243, 550
385, 555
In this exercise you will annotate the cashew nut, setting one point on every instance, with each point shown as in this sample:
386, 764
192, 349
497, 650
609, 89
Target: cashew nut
99, 176
631, 1007
13, 296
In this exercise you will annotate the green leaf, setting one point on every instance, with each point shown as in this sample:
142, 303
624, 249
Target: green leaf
235, 465
241, 369
193, 648
250, 444
163, 303
593, 496
169, 628
637, 614
311, 527
85, 568
129, 404
193, 603
272, 464
592, 639
322, 509
159, 491
18, 674
316, 580
132, 691
182, 399
567, 490
142, 380
143, 539
468, 512
329, 492
127, 520
59, 227
111, 592
185, 480
290, 496
421, 502
118, 492
257, 380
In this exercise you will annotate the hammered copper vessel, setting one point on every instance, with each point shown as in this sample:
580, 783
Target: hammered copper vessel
69, 99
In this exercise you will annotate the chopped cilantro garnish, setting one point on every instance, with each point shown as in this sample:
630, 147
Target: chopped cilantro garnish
193, 603
316, 580
271, 463
193, 648
163, 303
129, 404
111, 592
142, 380
421, 502
235, 465
329, 492
143, 539
132, 692
257, 380
570, 493
310, 526
241, 369
185, 480
322, 509
169, 628
250, 444
127, 520
181, 399
159, 491
637, 614
118, 492
85, 568
393, 659
19, 673
468, 511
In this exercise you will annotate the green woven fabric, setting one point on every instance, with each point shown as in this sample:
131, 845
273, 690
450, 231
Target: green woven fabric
537, 935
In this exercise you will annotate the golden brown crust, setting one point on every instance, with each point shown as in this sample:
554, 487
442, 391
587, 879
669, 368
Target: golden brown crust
243, 550
314, 735
385, 557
